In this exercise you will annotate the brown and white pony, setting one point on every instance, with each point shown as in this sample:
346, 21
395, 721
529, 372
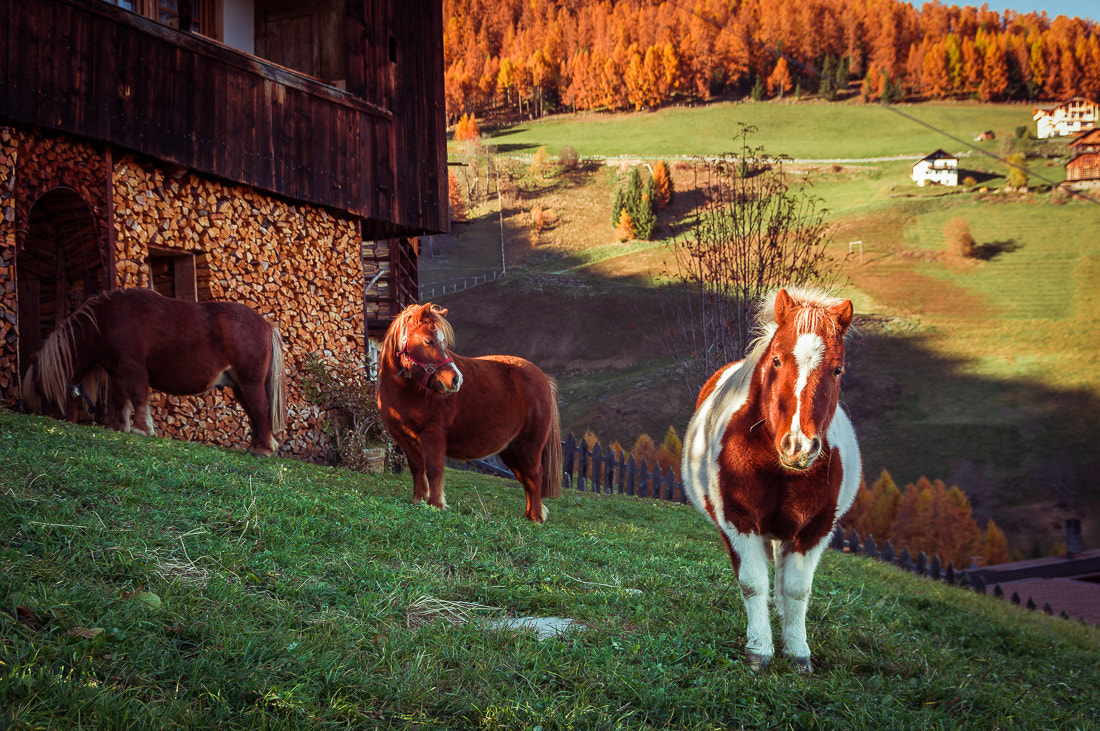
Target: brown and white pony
135, 339
772, 460
438, 404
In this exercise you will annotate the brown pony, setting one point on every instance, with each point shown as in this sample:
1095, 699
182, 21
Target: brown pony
134, 339
772, 460
438, 404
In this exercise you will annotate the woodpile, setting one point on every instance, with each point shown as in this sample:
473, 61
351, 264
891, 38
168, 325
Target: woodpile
8, 335
300, 266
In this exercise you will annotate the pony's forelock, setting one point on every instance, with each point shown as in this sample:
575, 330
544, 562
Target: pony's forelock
392, 340
812, 306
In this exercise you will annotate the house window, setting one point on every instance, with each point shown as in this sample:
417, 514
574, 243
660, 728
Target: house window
172, 273
168, 12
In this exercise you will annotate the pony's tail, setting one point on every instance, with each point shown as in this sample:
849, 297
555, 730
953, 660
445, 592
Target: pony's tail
276, 383
551, 453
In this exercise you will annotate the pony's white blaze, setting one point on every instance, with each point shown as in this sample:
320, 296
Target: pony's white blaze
809, 352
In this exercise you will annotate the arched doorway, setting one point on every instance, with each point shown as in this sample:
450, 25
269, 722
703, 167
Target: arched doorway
58, 265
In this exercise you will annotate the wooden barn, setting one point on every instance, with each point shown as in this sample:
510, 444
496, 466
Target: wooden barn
1083, 167
281, 153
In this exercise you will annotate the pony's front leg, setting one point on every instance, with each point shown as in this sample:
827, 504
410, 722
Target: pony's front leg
143, 420
434, 448
119, 408
751, 559
415, 458
794, 580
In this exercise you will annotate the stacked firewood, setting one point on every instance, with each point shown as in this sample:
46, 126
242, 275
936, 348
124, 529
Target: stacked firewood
8, 335
299, 266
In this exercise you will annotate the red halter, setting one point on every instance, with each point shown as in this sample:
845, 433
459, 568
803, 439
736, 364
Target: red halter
429, 368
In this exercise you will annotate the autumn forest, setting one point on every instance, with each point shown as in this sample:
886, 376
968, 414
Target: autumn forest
536, 57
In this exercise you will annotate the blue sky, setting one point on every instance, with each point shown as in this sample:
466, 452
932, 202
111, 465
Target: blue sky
1075, 8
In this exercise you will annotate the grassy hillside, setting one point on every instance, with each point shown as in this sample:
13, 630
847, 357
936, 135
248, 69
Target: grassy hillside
982, 373
799, 130
150, 583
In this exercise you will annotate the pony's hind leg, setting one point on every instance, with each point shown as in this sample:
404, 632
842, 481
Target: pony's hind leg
253, 397
529, 474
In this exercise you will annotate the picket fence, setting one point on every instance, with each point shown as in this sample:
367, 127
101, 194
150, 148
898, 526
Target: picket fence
604, 471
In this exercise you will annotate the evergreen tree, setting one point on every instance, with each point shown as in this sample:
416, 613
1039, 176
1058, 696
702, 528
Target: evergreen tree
826, 88
645, 215
757, 92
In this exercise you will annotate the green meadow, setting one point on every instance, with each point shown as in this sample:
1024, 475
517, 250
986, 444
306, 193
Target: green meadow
798, 130
149, 583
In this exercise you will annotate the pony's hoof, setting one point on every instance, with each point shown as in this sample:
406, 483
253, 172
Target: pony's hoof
802, 664
756, 661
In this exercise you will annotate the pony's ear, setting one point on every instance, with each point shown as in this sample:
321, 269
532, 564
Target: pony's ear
843, 312
783, 305
439, 310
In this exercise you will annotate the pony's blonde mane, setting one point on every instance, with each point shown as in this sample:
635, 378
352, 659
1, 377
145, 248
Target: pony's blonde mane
391, 343
54, 369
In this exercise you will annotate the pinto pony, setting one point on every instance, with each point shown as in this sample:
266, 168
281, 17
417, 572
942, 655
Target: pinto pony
134, 339
438, 404
772, 460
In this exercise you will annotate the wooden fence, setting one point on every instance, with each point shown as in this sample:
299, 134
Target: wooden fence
604, 471
932, 568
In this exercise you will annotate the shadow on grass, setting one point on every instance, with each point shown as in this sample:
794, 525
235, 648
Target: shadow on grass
1007, 443
993, 249
979, 176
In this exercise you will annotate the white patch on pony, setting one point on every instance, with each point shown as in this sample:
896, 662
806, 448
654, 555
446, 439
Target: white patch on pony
809, 351
442, 338
703, 439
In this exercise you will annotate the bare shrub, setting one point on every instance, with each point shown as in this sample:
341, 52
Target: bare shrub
958, 239
754, 231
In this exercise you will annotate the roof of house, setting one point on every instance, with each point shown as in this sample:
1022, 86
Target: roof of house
1067, 584
937, 155
1048, 108
1077, 599
940, 155
1089, 137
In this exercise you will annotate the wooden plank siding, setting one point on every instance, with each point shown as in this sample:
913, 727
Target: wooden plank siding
88, 68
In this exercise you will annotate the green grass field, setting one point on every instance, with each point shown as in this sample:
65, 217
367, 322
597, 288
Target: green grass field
801, 130
148, 583
982, 373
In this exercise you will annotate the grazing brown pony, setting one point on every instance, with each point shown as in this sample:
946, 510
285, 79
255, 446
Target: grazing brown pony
439, 404
772, 460
135, 339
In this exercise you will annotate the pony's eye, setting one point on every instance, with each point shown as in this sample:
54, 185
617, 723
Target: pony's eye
776, 363
839, 370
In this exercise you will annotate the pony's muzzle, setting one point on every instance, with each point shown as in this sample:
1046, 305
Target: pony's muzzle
797, 451
448, 379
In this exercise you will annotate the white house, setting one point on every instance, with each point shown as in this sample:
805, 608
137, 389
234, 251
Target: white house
1068, 118
939, 168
